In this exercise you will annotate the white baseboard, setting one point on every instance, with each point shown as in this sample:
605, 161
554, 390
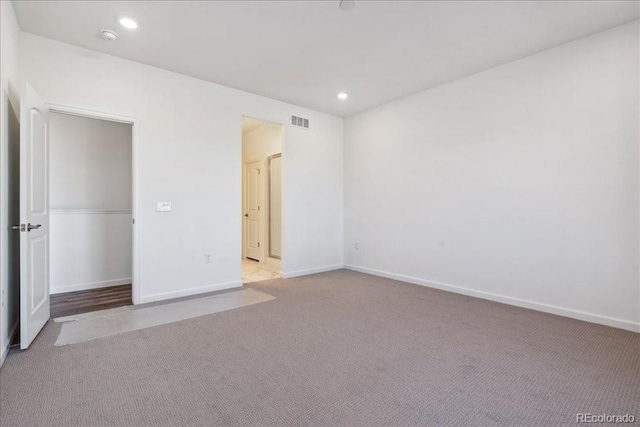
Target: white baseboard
12, 335
298, 273
188, 292
628, 325
92, 285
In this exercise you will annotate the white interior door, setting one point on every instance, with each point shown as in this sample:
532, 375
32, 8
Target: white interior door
34, 215
252, 214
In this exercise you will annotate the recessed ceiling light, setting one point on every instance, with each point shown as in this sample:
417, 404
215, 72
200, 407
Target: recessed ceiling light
347, 4
128, 23
109, 35
343, 95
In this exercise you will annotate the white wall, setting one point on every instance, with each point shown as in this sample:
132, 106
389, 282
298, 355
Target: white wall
518, 184
90, 200
90, 163
257, 145
89, 250
9, 137
189, 135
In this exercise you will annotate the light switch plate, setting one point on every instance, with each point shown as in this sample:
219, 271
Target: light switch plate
163, 206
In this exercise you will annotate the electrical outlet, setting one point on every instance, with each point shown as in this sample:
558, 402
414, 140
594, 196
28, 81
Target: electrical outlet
356, 246
207, 258
163, 206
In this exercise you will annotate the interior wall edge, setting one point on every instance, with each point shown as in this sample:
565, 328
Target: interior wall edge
189, 292
542, 210
9, 140
90, 285
629, 325
306, 272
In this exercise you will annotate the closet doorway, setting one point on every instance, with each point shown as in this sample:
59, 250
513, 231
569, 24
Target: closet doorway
91, 213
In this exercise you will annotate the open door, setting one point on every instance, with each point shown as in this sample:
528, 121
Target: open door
34, 215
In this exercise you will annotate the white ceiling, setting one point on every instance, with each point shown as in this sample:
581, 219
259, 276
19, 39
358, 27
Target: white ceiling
305, 52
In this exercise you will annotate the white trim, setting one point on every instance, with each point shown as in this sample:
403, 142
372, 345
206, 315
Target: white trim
91, 285
628, 325
135, 194
91, 211
298, 273
12, 336
92, 114
135, 172
190, 291
267, 203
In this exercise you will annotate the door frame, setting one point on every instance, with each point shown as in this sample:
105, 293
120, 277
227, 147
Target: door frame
283, 190
268, 199
135, 192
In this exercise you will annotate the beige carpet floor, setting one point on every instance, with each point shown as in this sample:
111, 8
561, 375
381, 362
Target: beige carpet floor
334, 349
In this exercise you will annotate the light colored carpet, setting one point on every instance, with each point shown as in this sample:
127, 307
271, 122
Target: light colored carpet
334, 349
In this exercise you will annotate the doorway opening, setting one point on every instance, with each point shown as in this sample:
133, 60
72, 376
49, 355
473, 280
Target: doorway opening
261, 200
91, 213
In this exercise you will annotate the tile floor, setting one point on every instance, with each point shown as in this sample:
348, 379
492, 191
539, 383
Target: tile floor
254, 271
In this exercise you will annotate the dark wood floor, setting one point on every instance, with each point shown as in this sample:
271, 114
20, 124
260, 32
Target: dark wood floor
91, 300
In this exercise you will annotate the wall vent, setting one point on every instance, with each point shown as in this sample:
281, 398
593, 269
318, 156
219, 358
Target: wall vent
300, 122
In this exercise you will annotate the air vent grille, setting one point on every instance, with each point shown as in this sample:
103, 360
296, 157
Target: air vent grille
300, 122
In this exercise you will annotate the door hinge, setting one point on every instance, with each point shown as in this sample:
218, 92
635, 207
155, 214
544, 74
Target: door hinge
133, 221
258, 244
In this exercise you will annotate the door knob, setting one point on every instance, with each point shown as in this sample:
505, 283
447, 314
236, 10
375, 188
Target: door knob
27, 227
247, 215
